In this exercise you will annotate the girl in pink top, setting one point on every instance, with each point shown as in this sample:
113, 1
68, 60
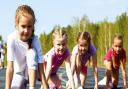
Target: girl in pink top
81, 55
55, 57
115, 57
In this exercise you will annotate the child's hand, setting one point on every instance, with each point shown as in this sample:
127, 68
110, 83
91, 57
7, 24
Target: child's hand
125, 87
41, 87
67, 84
96, 86
80, 87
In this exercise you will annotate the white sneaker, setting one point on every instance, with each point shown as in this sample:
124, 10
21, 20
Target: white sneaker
102, 82
80, 87
1, 68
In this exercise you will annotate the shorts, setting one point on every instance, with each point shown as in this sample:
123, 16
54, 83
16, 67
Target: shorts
84, 70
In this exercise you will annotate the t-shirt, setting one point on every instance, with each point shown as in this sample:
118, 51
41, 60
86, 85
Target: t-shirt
91, 51
57, 60
112, 54
16, 51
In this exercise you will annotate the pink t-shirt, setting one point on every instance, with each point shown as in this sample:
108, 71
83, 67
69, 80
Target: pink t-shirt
112, 54
56, 59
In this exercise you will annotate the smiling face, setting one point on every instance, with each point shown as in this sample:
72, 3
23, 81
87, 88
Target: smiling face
117, 45
60, 45
83, 46
24, 22
25, 27
83, 41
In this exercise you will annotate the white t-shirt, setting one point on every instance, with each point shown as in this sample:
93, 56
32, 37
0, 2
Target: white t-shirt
16, 51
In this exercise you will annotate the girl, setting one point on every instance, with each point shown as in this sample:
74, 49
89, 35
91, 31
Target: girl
55, 57
81, 55
115, 57
23, 52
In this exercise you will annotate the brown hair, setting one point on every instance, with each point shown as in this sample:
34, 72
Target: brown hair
119, 37
84, 36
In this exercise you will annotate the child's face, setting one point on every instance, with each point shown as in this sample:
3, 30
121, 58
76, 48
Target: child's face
25, 28
83, 46
117, 45
60, 45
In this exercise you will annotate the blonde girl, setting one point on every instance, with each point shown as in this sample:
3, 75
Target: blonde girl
55, 57
24, 54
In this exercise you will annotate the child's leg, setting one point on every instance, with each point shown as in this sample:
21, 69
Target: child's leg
54, 82
83, 75
108, 73
18, 82
82, 79
115, 78
32, 66
2, 60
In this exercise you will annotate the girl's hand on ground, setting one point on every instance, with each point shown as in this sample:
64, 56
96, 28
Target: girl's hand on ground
125, 87
107, 87
41, 87
67, 84
96, 86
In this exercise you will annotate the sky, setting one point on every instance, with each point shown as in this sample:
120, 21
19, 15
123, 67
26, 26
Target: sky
53, 12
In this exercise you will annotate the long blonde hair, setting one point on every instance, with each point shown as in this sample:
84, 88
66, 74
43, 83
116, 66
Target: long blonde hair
83, 36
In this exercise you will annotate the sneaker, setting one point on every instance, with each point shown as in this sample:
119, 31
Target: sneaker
1, 68
102, 82
80, 87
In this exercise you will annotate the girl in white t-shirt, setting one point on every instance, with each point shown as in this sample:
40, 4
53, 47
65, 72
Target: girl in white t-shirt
24, 54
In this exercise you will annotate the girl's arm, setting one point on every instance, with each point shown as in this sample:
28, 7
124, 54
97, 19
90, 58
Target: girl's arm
9, 75
72, 60
95, 70
48, 67
32, 77
123, 67
69, 72
43, 78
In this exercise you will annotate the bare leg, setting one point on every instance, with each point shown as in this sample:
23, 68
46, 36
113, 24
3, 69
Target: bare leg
82, 79
115, 78
108, 73
54, 81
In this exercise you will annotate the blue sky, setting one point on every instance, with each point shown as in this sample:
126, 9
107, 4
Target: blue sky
51, 12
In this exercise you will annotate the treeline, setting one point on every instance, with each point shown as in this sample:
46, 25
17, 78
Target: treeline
101, 33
